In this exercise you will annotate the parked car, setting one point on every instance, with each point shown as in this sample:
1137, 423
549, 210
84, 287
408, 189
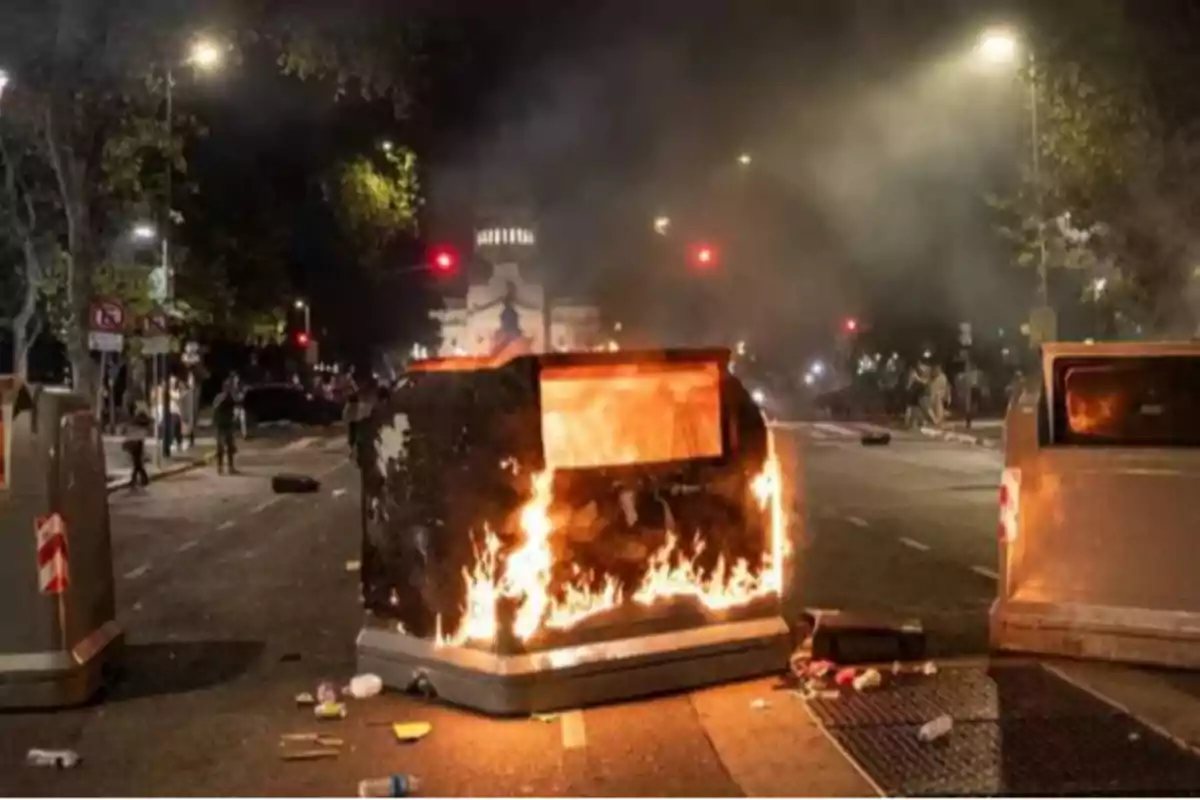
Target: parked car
275, 403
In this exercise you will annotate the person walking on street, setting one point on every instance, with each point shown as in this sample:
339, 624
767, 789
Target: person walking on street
350, 415
135, 446
239, 403
189, 401
224, 411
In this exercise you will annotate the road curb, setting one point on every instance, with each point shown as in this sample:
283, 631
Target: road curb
960, 438
167, 472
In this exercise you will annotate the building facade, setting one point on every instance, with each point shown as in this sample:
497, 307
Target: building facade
506, 306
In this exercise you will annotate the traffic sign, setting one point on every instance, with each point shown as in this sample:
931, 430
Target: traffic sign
107, 316
156, 345
156, 324
106, 341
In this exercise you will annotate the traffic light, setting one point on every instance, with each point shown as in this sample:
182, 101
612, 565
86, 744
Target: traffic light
704, 256
302, 339
850, 325
444, 260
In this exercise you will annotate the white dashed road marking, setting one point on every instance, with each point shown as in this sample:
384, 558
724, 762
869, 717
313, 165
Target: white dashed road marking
263, 506
226, 525
137, 573
299, 444
985, 572
858, 522
183, 548
574, 733
914, 544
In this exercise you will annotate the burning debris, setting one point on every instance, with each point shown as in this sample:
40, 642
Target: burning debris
588, 520
560, 500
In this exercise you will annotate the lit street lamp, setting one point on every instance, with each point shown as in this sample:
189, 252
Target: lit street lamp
744, 159
301, 305
3, 81
1000, 47
662, 224
144, 232
204, 55
386, 146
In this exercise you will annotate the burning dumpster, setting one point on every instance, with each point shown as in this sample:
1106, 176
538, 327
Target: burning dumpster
566, 529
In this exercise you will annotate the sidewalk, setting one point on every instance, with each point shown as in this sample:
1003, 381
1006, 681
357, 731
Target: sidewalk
119, 469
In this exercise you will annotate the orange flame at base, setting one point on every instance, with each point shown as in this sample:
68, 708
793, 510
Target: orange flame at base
524, 576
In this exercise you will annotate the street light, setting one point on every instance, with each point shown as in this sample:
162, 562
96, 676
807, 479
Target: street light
1001, 47
144, 232
997, 46
3, 81
661, 225
204, 55
386, 146
301, 305
744, 159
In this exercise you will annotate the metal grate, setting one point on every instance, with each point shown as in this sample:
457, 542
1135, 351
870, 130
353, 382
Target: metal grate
1017, 731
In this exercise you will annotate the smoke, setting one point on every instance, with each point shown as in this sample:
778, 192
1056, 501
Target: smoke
865, 189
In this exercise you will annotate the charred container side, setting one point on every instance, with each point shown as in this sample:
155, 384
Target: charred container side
566, 499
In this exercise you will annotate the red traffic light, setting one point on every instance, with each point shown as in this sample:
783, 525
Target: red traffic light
704, 255
302, 339
851, 325
444, 260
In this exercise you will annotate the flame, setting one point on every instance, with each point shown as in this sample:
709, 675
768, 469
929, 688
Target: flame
524, 576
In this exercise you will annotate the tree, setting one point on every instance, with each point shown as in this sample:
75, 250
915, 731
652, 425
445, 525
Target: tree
87, 90
1116, 142
376, 200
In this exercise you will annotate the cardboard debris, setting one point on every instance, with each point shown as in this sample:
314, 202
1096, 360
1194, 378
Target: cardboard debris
310, 755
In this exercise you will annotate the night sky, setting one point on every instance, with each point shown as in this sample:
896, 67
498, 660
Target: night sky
870, 155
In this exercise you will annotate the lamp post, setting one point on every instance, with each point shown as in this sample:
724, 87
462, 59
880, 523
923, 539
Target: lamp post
206, 56
302, 305
1002, 47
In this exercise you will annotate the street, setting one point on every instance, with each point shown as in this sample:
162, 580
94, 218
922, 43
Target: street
235, 599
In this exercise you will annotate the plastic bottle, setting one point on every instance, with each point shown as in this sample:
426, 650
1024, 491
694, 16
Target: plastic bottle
391, 786
935, 729
363, 686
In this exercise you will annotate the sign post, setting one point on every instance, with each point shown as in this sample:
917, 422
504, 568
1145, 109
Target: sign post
107, 326
965, 339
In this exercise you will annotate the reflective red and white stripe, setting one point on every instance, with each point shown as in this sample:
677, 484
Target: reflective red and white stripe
53, 567
1010, 504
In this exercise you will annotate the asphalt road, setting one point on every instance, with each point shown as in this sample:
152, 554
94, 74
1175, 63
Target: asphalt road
236, 599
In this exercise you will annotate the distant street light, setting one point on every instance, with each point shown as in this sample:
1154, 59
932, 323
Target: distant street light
1098, 287
3, 80
662, 224
998, 46
817, 369
302, 305
144, 232
744, 159
386, 146
205, 54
